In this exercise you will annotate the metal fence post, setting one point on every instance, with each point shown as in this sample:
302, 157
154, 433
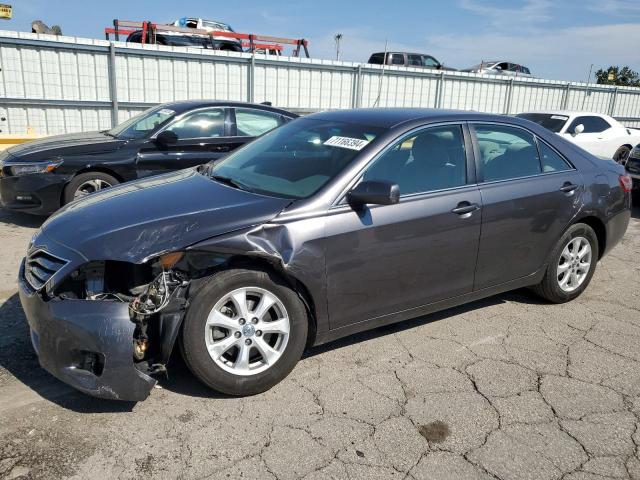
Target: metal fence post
357, 88
113, 86
565, 97
440, 91
612, 101
507, 105
251, 78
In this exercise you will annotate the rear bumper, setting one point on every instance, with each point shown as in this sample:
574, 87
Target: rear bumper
86, 344
616, 228
38, 193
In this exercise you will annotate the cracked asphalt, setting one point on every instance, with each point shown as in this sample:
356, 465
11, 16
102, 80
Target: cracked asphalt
508, 387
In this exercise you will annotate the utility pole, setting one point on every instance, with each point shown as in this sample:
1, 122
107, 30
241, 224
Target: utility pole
337, 38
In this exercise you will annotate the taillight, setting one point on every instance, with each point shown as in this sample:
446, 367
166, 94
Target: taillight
626, 183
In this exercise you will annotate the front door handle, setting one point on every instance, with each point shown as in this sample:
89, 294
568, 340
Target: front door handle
569, 187
465, 208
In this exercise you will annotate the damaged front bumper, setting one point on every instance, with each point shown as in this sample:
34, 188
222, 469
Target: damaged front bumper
86, 344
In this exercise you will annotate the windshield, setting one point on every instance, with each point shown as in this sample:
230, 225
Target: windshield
546, 120
216, 25
297, 159
143, 124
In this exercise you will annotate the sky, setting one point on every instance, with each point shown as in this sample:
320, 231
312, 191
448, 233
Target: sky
556, 39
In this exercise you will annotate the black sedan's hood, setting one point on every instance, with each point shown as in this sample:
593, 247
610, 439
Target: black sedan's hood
141, 219
60, 145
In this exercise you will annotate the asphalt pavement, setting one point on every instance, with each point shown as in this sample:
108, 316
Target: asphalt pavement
508, 387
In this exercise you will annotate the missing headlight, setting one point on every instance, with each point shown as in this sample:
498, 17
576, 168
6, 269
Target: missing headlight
157, 294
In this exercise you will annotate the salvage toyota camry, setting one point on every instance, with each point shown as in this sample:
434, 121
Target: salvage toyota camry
332, 224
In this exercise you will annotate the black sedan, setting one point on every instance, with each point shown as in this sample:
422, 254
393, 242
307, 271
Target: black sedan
40, 176
330, 225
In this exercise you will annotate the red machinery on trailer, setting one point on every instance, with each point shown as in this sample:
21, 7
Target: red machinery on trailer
250, 41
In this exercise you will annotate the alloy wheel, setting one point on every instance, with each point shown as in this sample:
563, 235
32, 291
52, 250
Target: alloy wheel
247, 331
90, 186
574, 264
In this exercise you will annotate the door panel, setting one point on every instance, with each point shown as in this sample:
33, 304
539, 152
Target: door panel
203, 135
154, 159
521, 221
384, 259
390, 258
531, 195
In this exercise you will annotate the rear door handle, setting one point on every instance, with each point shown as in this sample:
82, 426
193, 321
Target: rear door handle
569, 187
464, 208
221, 148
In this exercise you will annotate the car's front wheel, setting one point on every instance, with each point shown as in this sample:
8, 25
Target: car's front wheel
87, 183
571, 265
244, 331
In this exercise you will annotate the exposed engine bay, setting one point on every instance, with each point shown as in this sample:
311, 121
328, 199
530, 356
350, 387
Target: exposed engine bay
156, 295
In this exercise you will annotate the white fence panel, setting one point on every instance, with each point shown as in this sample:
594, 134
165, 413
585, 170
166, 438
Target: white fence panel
65, 84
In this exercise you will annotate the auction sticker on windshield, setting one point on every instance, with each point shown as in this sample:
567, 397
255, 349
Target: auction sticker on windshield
347, 142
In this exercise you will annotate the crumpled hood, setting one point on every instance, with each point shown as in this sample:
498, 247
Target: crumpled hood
144, 218
60, 145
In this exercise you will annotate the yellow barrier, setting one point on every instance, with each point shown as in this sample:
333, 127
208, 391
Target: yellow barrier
8, 140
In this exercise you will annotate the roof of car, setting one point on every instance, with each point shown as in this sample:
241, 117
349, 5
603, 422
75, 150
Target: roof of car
184, 105
408, 53
391, 117
567, 113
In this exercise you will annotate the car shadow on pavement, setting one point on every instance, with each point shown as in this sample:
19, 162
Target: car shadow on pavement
181, 381
18, 360
518, 296
18, 219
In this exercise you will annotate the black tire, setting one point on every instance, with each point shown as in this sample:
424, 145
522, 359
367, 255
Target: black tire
549, 288
194, 348
78, 180
622, 155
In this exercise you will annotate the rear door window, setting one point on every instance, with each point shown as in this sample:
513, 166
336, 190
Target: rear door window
397, 59
253, 123
507, 152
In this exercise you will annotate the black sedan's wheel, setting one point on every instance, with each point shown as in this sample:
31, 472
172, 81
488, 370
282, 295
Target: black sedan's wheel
244, 332
622, 155
87, 183
571, 265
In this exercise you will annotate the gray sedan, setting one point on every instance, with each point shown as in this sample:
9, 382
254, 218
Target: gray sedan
332, 224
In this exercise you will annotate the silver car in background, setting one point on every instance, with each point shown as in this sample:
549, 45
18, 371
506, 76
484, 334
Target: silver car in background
500, 67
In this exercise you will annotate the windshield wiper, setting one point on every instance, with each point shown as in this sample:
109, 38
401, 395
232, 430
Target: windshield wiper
228, 181
108, 133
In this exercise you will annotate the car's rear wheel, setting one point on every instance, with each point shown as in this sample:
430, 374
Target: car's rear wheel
571, 265
87, 183
244, 332
622, 155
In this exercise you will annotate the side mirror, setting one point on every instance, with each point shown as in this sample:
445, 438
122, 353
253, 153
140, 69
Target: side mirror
167, 137
375, 192
578, 130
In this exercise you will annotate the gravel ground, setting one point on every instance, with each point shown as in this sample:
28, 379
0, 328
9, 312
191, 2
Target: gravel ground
507, 388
